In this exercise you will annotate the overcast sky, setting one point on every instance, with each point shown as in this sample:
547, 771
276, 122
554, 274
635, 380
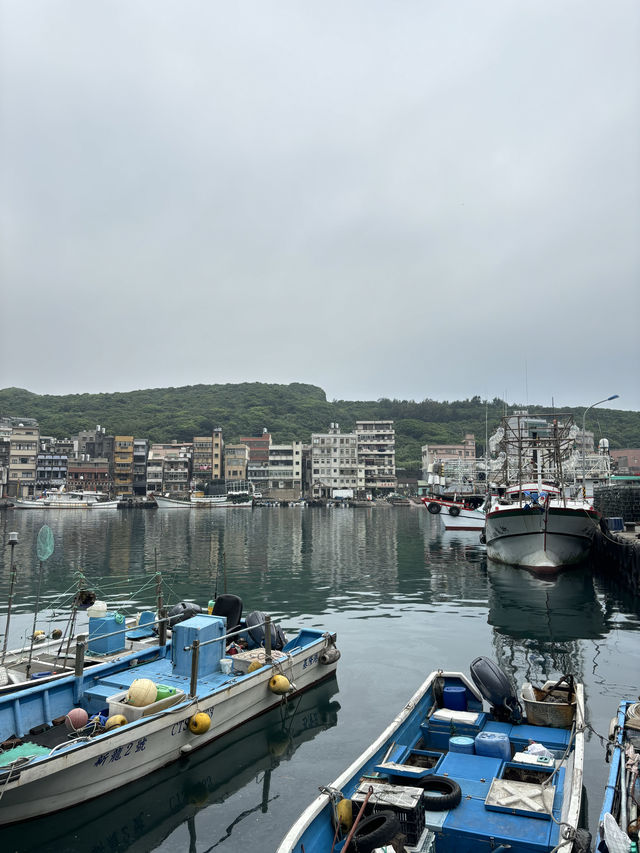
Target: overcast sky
385, 199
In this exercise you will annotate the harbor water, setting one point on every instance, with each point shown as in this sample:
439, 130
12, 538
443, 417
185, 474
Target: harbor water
404, 596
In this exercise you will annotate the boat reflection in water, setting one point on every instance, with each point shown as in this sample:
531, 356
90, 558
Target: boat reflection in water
146, 812
561, 609
539, 623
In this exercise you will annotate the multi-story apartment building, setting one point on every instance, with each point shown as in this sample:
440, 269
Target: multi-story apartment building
51, 470
334, 463
140, 452
24, 446
217, 456
202, 462
176, 473
236, 460
95, 444
258, 446
123, 464
208, 459
169, 468
463, 455
155, 467
377, 453
285, 471
89, 475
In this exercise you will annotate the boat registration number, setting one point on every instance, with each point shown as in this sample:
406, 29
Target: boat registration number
120, 752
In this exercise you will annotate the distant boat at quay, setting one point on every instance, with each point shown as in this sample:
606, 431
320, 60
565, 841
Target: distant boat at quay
67, 500
201, 501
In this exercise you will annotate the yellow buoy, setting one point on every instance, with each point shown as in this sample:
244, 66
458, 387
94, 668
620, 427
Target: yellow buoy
115, 721
38, 636
345, 813
143, 691
254, 665
279, 684
199, 723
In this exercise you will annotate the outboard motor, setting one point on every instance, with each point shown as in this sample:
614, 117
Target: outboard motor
494, 686
183, 610
255, 632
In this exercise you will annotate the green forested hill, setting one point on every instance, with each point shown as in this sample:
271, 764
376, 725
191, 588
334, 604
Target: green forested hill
287, 411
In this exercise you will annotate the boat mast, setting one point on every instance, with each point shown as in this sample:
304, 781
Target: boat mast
13, 541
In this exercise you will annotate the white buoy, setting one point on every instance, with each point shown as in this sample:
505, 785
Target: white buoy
143, 691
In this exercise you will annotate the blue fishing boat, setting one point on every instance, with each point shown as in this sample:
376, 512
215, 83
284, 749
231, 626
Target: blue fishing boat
619, 822
79, 737
451, 775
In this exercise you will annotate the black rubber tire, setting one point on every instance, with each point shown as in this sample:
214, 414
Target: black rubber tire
454, 510
433, 508
447, 793
582, 841
374, 831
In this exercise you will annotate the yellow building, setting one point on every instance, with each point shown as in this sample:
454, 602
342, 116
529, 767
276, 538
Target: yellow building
236, 460
123, 464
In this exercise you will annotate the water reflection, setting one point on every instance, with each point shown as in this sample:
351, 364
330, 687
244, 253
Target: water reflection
556, 610
145, 813
539, 623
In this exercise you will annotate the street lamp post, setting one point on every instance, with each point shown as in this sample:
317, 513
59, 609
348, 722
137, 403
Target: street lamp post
584, 472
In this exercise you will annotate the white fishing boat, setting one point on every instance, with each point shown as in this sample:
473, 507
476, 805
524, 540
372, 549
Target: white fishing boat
537, 528
201, 501
533, 520
81, 737
458, 513
165, 502
62, 499
230, 499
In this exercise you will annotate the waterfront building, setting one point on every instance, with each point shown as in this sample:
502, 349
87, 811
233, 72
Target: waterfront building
155, 466
123, 464
51, 470
449, 462
376, 448
176, 473
208, 459
24, 445
169, 468
284, 472
335, 466
626, 460
140, 452
236, 460
89, 475
258, 446
95, 444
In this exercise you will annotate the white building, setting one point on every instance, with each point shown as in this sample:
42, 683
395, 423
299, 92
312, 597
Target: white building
334, 463
376, 449
23, 454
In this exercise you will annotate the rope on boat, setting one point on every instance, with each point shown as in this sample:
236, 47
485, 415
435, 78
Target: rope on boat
14, 765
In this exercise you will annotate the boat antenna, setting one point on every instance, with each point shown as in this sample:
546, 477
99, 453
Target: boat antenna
13, 541
44, 548
224, 569
159, 589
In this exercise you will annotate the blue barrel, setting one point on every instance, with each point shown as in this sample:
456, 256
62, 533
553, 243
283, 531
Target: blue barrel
493, 744
461, 744
455, 698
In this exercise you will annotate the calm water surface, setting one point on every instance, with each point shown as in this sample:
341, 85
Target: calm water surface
404, 596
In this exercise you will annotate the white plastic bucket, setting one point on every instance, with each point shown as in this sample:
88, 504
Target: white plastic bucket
97, 610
